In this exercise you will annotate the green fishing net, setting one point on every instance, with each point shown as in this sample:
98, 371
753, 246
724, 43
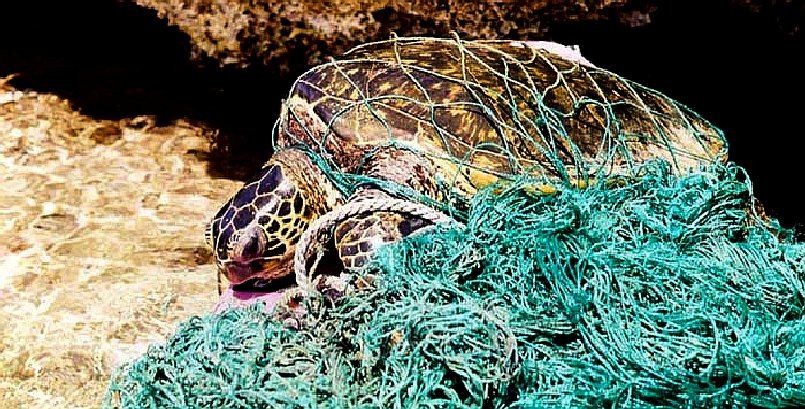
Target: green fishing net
657, 285
668, 292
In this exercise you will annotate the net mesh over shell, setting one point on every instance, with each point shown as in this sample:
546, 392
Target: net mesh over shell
479, 111
659, 287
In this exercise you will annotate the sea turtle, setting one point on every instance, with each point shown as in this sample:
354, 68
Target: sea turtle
376, 145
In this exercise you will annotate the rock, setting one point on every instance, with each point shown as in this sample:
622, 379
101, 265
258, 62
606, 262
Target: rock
295, 35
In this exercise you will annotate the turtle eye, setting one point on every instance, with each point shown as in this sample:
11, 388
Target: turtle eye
251, 244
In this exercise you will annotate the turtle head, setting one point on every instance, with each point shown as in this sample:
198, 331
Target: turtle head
253, 236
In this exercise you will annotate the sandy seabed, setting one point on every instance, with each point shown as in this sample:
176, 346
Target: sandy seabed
101, 245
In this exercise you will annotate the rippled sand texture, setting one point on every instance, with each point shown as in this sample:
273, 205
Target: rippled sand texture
101, 245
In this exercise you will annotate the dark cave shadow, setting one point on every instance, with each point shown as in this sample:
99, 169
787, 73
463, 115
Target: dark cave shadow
116, 60
735, 68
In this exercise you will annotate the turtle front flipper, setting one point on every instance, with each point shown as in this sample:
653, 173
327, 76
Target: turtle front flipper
356, 238
345, 239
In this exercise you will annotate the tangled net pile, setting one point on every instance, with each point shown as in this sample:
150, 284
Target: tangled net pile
654, 290
662, 293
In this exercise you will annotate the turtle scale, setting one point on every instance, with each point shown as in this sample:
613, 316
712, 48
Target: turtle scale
483, 110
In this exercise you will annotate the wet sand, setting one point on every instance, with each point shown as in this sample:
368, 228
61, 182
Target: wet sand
101, 245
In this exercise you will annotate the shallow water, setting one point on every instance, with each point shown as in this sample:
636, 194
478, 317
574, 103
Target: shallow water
101, 245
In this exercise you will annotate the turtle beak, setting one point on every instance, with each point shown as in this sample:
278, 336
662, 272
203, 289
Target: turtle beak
251, 281
246, 259
267, 273
238, 272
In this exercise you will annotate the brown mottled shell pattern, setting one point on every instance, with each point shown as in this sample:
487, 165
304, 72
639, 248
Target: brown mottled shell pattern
477, 111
